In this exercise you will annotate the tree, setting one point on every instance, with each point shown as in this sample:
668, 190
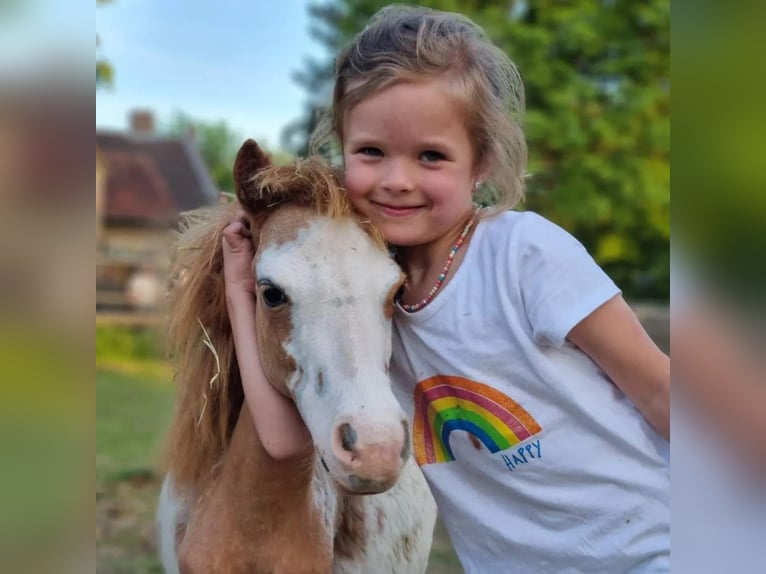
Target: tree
596, 74
218, 144
597, 79
104, 69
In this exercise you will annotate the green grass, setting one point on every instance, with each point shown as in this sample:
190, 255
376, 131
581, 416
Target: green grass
134, 403
132, 414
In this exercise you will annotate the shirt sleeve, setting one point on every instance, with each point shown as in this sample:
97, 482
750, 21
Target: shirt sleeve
559, 281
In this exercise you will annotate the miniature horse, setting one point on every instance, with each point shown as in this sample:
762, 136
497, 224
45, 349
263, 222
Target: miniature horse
325, 289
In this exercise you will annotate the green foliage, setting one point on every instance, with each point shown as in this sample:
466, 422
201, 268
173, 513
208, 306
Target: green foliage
719, 173
104, 74
120, 343
597, 79
104, 69
596, 74
218, 143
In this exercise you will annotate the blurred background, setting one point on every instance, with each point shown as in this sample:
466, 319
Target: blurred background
181, 83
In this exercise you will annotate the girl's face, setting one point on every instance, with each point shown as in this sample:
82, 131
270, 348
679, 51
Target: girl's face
410, 164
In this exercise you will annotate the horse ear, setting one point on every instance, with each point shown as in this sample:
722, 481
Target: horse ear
250, 160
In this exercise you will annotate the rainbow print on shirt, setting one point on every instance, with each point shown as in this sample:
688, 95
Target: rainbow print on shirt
445, 403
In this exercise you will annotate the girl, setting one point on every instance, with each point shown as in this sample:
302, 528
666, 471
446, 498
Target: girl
539, 406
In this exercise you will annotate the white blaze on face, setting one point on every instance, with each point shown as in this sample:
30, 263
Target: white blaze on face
337, 282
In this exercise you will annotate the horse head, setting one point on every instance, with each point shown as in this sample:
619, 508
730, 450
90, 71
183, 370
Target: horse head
325, 286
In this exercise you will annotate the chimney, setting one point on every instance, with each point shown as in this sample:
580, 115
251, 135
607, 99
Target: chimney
142, 121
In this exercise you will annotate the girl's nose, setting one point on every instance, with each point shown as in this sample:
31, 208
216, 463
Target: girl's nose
398, 177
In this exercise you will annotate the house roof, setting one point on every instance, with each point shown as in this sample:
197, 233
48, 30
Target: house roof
150, 179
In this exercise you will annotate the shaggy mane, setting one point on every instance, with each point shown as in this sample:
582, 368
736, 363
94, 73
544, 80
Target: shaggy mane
210, 393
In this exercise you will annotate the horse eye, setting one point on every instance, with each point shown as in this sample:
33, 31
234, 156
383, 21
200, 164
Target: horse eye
274, 296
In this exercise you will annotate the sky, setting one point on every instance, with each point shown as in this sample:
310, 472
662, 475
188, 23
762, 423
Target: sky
38, 33
230, 60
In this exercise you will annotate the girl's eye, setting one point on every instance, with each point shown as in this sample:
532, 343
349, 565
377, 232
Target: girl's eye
371, 151
431, 156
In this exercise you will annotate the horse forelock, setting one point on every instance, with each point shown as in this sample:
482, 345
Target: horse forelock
312, 183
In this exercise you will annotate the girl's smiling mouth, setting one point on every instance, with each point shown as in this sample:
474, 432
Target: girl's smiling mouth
396, 210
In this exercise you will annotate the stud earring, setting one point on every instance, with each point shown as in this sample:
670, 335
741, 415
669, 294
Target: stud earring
476, 185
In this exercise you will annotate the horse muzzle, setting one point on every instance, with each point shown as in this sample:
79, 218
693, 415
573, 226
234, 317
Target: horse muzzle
367, 459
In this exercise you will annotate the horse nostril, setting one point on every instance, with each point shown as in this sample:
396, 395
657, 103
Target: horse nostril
347, 437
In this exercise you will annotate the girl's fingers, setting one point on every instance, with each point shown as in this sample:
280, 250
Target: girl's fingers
238, 231
232, 237
245, 225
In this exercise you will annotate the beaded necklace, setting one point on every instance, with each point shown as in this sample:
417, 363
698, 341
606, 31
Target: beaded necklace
450, 258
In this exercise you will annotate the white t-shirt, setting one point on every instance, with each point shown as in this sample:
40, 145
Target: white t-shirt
537, 461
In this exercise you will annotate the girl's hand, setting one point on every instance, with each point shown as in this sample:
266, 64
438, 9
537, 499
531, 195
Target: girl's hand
280, 428
238, 254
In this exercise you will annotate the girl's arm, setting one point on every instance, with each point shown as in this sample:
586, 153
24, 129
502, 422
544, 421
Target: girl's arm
613, 337
277, 421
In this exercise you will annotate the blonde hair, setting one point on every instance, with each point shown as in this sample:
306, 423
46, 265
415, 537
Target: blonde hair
408, 43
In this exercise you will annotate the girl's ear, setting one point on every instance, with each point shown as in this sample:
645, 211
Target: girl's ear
250, 160
480, 174
478, 180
